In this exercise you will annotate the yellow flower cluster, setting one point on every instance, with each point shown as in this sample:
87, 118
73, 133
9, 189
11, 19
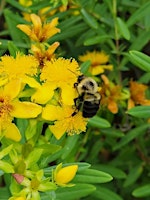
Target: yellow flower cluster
45, 83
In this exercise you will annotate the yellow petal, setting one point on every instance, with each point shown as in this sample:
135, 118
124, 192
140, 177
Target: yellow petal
51, 112
131, 104
12, 132
43, 94
25, 28
3, 81
20, 198
96, 70
58, 129
31, 82
66, 174
25, 109
13, 88
113, 107
37, 24
68, 95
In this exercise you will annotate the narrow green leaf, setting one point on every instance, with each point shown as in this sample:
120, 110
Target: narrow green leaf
123, 28
49, 148
139, 42
140, 111
99, 122
6, 167
112, 132
70, 145
96, 39
89, 19
85, 66
12, 49
69, 193
134, 174
139, 13
12, 21
103, 193
131, 135
5, 193
141, 60
113, 171
75, 192
33, 157
92, 176
5, 151
143, 191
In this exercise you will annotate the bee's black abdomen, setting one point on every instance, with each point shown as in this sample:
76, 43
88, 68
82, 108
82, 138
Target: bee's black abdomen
89, 109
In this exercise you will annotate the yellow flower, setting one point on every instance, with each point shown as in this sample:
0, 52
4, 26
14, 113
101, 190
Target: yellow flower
17, 68
58, 73
63, 175
17, 198
98, 61
39, 32
11, 107
111, 94
138, 96
42, 54
25, 3
65, 121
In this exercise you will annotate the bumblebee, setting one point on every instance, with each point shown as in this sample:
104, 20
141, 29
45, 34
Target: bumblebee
89, 98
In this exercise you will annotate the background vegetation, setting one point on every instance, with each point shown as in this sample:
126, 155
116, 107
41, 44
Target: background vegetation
116, 143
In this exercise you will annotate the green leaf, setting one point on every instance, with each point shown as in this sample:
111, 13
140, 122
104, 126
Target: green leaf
140, 111
5, 151
85, 66
103, 193
141, 60
143, 191
75, 192
134, 174
6, 167
92, 176
69, 145
139, 13
96, 39
33, 157
12, 21
5, 193
12, 49
31, 129
89, 19
98, 122
112, 132
123, 28
139, 42
113, 171
131, 135
49, 148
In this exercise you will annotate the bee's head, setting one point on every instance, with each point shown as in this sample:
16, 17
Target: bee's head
87, 85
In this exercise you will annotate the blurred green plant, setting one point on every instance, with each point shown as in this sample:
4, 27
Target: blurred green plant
116, 142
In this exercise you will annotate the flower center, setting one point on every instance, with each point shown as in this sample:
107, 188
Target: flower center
5, 109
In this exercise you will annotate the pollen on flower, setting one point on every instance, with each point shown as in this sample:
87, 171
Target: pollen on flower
60, 71
68, 123
5, 110
18, 67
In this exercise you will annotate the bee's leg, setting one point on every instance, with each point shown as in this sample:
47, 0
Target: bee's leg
78, 105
